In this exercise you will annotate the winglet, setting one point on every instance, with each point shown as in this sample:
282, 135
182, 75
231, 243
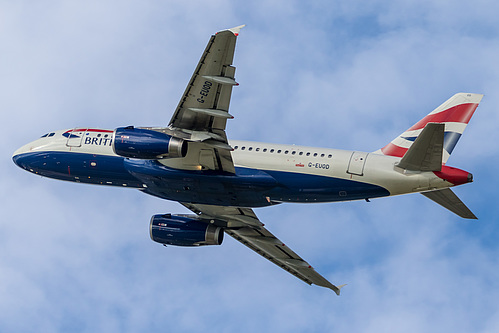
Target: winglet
325, 283
236, 30
338, 289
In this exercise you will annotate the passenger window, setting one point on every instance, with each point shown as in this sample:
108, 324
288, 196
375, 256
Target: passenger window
315, 154
279, 151
329, 156
243, 148
300, 153
272, 150
308, 154
294, 152
264, 150
250, 148
286, 152
257, 149
236, 147
322, 155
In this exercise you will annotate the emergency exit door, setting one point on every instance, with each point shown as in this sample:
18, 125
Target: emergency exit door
357, 162
75, 137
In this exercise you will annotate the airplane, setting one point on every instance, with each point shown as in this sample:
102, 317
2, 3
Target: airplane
191, 161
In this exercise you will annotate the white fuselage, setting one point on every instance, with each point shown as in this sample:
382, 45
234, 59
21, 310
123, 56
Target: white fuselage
299, 170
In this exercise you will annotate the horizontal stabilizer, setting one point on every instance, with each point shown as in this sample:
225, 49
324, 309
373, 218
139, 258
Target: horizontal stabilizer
425, 154
448, 199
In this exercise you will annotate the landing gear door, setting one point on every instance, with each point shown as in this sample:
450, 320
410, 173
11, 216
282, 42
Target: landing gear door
357, 162
75, 137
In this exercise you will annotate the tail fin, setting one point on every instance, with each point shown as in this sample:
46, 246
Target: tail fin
455, 113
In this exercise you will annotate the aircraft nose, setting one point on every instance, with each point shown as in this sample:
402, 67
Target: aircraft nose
20, 156
19, 159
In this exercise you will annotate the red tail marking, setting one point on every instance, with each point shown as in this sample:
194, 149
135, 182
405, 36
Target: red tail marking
461, 113
394, 150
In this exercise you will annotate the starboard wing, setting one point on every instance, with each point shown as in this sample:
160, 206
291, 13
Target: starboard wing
243, 225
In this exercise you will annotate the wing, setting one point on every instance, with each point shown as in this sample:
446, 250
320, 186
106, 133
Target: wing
243, 225
202, 113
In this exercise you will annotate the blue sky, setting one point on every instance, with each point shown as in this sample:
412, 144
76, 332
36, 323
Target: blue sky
327, 73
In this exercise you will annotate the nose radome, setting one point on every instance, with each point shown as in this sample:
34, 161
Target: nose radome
17, 152
18, 160
19, 156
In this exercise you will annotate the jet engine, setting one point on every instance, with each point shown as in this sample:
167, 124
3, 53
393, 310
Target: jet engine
147, 144
184, 231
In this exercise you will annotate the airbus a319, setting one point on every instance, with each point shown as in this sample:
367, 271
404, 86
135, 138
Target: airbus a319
192, 161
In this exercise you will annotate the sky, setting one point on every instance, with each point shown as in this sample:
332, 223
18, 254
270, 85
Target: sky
338, 74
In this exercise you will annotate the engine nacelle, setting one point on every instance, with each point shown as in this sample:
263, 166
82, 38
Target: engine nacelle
184, 231
147, 144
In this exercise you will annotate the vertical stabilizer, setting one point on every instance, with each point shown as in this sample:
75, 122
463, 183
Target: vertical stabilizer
455, 113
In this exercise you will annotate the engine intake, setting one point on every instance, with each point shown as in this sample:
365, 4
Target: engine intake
184, 231
147, 144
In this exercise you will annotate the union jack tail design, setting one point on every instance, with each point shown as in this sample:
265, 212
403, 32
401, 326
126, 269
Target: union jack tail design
455, 113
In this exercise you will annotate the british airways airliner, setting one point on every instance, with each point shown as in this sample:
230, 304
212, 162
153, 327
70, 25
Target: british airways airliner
192, 161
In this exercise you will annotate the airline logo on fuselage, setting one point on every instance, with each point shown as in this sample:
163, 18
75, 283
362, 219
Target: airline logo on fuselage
97, 141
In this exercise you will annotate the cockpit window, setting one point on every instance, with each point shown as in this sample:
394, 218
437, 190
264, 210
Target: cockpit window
44, 135
51, 134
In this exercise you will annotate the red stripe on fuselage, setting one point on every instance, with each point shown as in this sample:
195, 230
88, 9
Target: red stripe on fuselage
461, 113
89, 130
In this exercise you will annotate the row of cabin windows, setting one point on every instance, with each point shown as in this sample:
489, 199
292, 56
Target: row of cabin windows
98, 135
278, 151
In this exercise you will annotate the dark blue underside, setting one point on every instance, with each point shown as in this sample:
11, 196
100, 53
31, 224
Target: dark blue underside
248, 187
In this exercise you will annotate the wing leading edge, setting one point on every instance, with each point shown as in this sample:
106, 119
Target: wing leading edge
243, 225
